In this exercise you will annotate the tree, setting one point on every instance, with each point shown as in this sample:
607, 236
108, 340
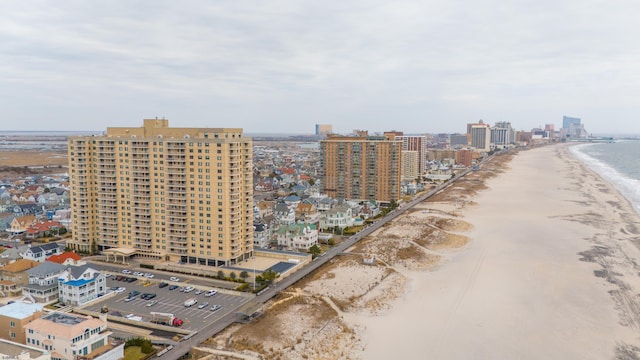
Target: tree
331, 242
220, 274
270, 275
232, 275
315, 250
312, 182
94, 247
244, 275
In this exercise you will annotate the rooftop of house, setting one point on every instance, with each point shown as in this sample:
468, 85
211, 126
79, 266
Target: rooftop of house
20, 309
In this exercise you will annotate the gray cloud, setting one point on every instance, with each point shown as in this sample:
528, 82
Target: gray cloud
281, 66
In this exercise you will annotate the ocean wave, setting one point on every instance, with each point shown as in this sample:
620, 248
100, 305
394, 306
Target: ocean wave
627, 186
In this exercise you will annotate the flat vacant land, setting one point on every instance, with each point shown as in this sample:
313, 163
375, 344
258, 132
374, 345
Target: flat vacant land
15, 164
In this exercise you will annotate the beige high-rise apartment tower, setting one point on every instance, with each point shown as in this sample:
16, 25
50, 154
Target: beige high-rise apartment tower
173, 194
361, 167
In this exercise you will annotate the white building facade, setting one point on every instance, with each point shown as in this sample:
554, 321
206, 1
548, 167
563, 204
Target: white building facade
80, 284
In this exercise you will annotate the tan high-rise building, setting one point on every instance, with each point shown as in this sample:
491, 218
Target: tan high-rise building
175, 194
361, 167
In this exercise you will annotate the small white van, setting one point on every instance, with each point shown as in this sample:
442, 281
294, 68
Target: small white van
190, 302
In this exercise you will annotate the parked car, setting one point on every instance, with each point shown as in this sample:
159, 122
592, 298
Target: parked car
163, 284
211, 293
190, 302
130, 280
134, 293
198, 292
138, 273
126, 271
188, 289
120, 289
216, 307
148, 275
130, 298
173, 287
173, 278
151, 303
203, 305
148, 296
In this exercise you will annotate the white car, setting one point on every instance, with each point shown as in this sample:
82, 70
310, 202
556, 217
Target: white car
216, 307
120, 289
203, 305
138, 273
126, 271
147, 275
210, 293
188, 289
173, 278
107, 275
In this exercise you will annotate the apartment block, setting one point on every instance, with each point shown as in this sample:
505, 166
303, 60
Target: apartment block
361, 167
410, 165
417, 143
172, 194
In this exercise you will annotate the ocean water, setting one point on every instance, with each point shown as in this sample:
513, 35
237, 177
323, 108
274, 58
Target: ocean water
617, 162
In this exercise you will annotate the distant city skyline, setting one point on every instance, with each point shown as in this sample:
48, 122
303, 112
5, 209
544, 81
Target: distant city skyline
426, 67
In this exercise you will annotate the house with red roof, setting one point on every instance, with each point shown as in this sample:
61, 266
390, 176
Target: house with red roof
44, 228
67, 258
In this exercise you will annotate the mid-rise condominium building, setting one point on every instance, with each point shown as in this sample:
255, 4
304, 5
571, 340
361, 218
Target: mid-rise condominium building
173, 194
70, 337
361, 167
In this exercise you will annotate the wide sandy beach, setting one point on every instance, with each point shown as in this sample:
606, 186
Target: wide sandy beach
550, 272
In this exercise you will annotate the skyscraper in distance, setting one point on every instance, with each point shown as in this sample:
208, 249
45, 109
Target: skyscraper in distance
173, 194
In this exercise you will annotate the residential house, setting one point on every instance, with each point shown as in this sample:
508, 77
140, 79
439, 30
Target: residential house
71, 337
284, 215
369, 210
340, 216
14, 276
43, 282
40, 253
80, 284
325, 204
261, 235
307, 212
49, 199
14, 317
297, 236
43, 229
67, 258
292, 201
12, 254
27, 209
20, 224
13, 350
265, 208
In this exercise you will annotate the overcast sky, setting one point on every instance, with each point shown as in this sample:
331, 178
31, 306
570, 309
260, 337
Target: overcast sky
282, 66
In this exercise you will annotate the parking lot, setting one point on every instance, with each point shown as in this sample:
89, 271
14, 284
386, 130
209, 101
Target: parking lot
168, 301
